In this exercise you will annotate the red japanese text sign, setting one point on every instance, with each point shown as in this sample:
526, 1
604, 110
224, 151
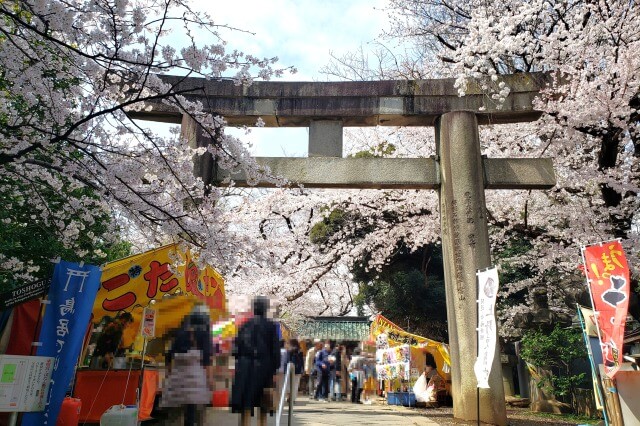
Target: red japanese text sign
608, 279
206, 284
136, 280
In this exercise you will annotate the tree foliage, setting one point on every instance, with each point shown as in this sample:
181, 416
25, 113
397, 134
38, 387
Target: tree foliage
35, 242
70, 156
589, 125
556, 352
409, 291
591, 117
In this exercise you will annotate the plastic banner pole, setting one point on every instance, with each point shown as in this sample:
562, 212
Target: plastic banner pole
594, 374
291, 371
478, 341
281, 404
43, 301
139, 390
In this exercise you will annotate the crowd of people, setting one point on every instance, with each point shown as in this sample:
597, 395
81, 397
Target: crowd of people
261, 366
329, 372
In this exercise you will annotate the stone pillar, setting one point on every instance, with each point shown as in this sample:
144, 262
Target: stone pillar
465, 243
507, 375
325, 138
203, 166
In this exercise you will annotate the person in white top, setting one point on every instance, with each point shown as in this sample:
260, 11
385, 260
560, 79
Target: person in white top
309, 365
356, 372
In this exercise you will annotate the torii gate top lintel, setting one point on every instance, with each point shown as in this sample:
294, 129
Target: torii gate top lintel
327, 107
354, 103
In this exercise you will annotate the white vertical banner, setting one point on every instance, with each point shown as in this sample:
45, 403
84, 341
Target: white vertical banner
487, 290
149, 323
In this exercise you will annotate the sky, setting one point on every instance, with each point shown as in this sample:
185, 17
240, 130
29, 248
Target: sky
301, 33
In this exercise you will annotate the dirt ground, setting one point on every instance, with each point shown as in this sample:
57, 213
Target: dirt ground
516, 416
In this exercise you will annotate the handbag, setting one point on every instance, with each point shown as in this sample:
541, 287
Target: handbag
269, 400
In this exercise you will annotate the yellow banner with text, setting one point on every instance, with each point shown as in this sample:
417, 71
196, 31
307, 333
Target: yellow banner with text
136, 280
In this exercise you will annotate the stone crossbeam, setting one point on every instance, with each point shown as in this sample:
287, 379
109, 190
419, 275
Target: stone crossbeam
358, 103
397, 173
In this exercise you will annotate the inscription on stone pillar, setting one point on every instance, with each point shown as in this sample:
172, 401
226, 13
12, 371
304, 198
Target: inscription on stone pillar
457, 250
471, 219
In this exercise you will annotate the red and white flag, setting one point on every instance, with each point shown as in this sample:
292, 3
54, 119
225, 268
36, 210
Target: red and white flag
608, 279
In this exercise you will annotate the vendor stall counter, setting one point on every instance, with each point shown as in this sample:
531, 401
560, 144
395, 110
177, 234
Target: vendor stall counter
100, 389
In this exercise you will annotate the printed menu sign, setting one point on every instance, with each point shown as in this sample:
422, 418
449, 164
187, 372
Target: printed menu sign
149, 323
24, 382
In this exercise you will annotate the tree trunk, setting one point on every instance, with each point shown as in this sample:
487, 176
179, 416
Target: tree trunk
542, 398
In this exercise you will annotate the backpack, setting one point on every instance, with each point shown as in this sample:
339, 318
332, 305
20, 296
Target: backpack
298, 362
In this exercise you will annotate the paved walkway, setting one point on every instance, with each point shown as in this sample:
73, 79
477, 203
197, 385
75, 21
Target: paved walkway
313, 413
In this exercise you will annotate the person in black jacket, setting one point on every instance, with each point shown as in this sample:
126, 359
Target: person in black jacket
294, 356
257, 352
335, 388
323, 367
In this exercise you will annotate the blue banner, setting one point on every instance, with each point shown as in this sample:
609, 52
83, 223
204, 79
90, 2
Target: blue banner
71, 296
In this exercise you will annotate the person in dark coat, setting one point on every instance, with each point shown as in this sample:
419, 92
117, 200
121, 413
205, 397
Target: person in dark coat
322, 367
257, 352
335, 390
294, 356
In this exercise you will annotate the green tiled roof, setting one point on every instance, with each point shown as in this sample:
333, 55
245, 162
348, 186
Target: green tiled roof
335, 328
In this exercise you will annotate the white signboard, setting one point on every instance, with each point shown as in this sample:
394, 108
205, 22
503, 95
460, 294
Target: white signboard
24, 382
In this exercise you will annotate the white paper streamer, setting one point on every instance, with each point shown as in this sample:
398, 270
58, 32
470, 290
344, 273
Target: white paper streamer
488, 288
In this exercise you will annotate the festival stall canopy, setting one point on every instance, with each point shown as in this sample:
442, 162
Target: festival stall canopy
159, 275
397, 336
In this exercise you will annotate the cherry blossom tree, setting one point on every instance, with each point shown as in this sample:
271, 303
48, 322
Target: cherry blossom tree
589, 125
311, 276
71, 74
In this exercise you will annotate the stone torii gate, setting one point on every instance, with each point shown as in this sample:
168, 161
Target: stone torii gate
458, 172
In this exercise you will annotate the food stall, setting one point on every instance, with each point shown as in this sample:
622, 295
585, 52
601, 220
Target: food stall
401, 357
394, 367
223, 333
158, 295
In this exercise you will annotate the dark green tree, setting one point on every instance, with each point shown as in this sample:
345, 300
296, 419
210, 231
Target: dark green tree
556, 352
408, 291
35, 241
